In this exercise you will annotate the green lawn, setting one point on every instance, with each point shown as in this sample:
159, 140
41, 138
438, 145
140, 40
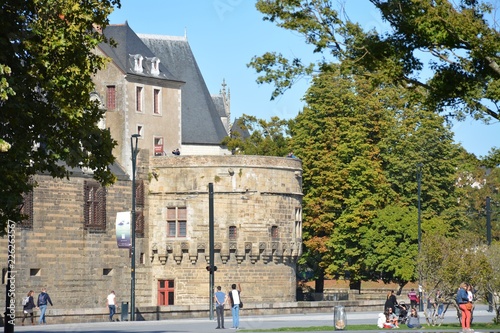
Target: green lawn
443, 327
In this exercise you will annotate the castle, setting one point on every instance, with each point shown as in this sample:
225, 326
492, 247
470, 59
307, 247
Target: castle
153, 87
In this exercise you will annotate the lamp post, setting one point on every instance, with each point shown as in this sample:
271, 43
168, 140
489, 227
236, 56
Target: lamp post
419, 185
133, 145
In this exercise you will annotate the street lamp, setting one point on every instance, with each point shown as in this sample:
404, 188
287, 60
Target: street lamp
133, 145
419, 185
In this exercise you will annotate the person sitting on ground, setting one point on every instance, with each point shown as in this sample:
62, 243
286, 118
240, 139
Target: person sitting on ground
393, 319
413, 319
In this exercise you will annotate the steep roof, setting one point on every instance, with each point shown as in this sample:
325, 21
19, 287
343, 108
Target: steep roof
129, 44
201, 123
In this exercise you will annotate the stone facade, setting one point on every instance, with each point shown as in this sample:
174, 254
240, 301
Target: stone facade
257, 218
78, 265
259, 197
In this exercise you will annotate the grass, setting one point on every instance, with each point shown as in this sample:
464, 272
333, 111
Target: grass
443, 327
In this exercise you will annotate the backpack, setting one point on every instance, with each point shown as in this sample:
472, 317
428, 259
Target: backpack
26, 299
42, 299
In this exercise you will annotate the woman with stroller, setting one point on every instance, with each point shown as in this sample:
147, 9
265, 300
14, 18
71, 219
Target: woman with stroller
413, 319
391, 301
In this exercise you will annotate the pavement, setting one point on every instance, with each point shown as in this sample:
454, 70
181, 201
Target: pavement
247, 323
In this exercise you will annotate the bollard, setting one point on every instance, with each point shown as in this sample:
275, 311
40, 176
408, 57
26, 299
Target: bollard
339, 318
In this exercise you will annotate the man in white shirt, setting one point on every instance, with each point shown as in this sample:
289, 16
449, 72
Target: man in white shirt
234, 296
111, 303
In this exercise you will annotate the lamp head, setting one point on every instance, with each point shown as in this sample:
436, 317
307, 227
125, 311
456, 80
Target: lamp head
136, 135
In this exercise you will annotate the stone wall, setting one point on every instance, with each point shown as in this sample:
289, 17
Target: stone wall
252, 194
78, 266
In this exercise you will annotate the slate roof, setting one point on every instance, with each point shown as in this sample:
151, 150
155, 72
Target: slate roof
219, 105
128, 43
201, 123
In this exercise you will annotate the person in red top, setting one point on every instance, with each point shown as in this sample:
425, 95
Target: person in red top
412, 295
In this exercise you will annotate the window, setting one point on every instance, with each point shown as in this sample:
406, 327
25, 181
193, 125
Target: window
139, 224
27, 211
156, 101
233, 234
138, 99
176, 222
35, 271
110, 97
298, 223
158, 142
165, 292
275, 232
140, 131
94, 206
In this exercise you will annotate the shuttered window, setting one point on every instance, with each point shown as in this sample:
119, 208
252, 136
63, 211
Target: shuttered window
94, 206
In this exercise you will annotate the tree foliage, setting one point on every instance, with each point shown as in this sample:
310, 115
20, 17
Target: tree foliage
46, 68
460, 37
360, 141
252, 136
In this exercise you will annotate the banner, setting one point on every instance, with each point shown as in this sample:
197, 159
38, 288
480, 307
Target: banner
123, 230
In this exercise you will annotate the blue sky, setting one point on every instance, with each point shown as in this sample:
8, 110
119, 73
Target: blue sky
224, 35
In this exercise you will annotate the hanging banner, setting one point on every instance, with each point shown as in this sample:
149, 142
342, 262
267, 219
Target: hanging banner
123, 230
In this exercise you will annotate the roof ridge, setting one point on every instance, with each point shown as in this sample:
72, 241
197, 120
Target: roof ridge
162, 37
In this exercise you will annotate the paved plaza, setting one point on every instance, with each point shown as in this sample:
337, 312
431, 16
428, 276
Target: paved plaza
246, 323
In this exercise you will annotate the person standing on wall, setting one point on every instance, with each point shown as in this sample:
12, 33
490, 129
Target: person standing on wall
111, 303
43, 301
234, 296
220, 300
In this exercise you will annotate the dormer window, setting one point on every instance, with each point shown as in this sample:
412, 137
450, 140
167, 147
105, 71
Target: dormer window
136, 61
153, 65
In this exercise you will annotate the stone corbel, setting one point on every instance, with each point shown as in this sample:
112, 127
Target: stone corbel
254, 258
240, 258
267, 257
178, 258
163, 258
224, 258
193, 258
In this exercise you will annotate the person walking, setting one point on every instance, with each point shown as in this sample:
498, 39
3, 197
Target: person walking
234, 296
220, 300
465, 307
28, 307
412, 295
391, 301
43, 301
111, 303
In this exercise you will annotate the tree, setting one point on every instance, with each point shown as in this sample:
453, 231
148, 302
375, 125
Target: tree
337, 136
48, 118
461, 38
259, 137
445, 262
360, 141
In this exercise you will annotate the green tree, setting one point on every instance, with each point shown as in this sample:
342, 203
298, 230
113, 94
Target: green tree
259, 137
460, 37
337, 136
360, 141
478, 179
47, 114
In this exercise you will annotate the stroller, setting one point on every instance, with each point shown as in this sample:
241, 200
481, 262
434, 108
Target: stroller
402, 312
